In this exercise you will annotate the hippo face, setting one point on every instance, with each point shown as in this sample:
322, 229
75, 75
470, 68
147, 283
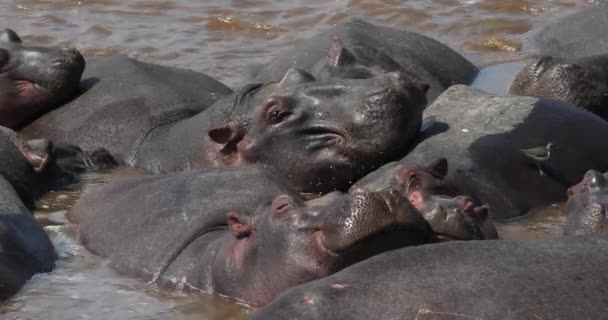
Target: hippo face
428, 179
323, 136
288, 242
34, 79
582, 83
586, 206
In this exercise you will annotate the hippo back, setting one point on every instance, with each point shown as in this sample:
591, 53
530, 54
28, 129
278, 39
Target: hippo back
123, 100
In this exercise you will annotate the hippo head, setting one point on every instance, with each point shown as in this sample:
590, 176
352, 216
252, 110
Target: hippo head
586, 206
452, 216
342, 63
34, 79
288, 242
322, 136
563, 80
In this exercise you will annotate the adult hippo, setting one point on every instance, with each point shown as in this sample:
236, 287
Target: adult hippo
122, 101
37, 166
34, 80
25, 249
573, 36
561, 278
320, 136
581, 82
482, 137
358, 49
586, 206
198, 230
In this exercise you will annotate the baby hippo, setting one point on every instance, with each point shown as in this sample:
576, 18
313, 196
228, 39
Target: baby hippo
586, 206
452, 216
581, 82
34, 80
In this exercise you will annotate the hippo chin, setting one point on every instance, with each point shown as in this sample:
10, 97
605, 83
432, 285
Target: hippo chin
484, 137
561, 278
25, 249
34, 80
582, 82
320, 136
586, 206
209, 239
356, 49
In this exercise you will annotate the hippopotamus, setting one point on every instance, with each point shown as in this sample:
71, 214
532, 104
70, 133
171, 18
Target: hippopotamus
37, 166
452, 216
25, 249
576, 35
34, 80
358, 49
200, 230
581, 82
586, 206
560, 278
483, 137
122, 100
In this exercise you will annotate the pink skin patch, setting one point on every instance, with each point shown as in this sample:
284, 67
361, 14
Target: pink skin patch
339, 286
27, 91
310, 299
416, 199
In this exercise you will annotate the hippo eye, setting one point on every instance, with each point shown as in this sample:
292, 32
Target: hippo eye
276, 114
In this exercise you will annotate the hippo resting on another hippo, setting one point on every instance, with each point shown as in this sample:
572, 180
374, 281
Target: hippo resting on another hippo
358, 49
554, 279
37, 166
581, 82
321, 136
586, 206
123, 100
482, 136
198, 230
34, 80
25, 249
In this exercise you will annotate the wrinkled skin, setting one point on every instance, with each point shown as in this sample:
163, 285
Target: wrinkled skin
34, 80
25, 249
581, 82
356, 49
37, 166
320, 136
574, 36
452, 216
586, 206
481, 136
561, 278
209, 239
122, 100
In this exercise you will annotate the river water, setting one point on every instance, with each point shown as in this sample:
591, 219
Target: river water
227, 39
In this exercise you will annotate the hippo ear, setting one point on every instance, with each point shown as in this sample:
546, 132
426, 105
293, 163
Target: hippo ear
338, 56
228, 136
482, 212
9, 36
37, 153
238, 224
438, 168
295, 76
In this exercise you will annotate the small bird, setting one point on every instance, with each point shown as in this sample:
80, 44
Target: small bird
539, 154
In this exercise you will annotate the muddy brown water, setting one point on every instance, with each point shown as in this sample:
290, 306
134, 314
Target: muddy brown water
227, 39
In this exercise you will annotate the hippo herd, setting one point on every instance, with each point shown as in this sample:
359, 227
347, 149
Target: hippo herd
357, 175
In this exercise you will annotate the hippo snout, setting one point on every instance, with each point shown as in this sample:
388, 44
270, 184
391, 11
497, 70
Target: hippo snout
594, 179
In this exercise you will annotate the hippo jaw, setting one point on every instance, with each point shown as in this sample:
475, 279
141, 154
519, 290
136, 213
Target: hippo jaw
586, 206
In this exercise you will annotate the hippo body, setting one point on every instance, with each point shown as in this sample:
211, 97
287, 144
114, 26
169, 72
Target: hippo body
198, 230
363, 46
122, 101
482, 135
562, 278
34, 80
573, 36
25, 248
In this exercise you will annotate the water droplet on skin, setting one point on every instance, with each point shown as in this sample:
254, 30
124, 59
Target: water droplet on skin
465, 130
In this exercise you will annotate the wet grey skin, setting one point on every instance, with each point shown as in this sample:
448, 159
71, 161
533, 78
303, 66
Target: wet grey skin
586, 206
34, 79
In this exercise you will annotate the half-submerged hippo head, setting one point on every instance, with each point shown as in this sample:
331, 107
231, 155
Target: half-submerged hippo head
288, 242
34, 80
321, 136
586, 206
452, 216
583, 83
